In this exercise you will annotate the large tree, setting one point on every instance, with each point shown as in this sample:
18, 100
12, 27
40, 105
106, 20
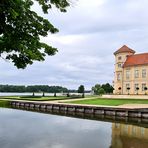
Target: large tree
81, 89
21, 29
96, 88
108, 88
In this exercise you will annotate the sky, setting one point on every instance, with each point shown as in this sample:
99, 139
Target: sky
90, 32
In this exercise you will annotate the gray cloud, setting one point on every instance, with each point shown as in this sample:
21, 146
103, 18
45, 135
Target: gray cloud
89, 34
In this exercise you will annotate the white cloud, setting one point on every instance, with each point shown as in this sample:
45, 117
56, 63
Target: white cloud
64, 40
89, 34
92, 3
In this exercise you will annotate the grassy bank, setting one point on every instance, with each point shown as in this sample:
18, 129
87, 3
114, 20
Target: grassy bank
34, 98
109, 102
4, 104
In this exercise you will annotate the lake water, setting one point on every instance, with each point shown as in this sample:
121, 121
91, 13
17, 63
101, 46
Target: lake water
24, 129
37, 94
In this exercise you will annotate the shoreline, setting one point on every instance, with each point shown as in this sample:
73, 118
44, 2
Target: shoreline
86, 109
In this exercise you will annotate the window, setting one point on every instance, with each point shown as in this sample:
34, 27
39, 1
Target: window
127, 87
119, 65
143, 86
136, 86
127, 74
118, 77
143, 73
136, 73
119, 58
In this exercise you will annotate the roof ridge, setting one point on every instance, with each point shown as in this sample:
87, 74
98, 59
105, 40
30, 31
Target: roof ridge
141, 53
138, 54
123, 49
136, 59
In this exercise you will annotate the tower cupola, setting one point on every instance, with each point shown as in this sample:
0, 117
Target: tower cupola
124, 49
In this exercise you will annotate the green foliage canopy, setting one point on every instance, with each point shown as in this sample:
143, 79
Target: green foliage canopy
81, 89
96, 88
104, 88
101, 91
21, 29
108, 88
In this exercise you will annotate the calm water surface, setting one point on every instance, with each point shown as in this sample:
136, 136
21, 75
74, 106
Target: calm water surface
24, 129
36, 94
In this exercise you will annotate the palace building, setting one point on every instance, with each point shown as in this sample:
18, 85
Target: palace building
131, 72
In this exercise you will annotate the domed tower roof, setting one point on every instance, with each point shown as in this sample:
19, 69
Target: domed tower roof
123, 49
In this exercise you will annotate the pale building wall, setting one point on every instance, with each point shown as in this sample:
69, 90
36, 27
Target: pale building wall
124, 81
132, 80
120, 58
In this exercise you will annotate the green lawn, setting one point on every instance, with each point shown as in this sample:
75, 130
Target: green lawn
4, 103
109, 102
35, 98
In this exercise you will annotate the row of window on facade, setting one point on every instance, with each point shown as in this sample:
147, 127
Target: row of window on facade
137, 87
136, 74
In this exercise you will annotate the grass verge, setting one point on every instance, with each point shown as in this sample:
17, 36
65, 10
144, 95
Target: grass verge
109, 102
37, 98
4, 103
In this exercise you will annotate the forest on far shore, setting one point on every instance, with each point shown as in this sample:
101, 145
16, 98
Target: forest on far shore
32, 88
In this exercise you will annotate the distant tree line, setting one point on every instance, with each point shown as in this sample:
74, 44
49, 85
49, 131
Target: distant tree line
32, 88
97, 89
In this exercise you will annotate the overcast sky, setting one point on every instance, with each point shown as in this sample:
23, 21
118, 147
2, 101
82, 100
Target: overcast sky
90, 32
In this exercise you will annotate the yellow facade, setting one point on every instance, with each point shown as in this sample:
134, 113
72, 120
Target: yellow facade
127, 79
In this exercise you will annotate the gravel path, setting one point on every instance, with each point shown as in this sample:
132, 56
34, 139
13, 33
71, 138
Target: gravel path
134, 106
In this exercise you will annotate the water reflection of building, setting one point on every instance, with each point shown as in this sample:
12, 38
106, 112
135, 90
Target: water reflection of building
129, 136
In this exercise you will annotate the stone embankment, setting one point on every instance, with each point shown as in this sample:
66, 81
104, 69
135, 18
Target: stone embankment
85, 109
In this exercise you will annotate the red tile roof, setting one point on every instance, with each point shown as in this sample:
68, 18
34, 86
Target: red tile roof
123, 49
137, 59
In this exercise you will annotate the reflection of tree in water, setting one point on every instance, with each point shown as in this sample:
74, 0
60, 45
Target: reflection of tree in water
129, 136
